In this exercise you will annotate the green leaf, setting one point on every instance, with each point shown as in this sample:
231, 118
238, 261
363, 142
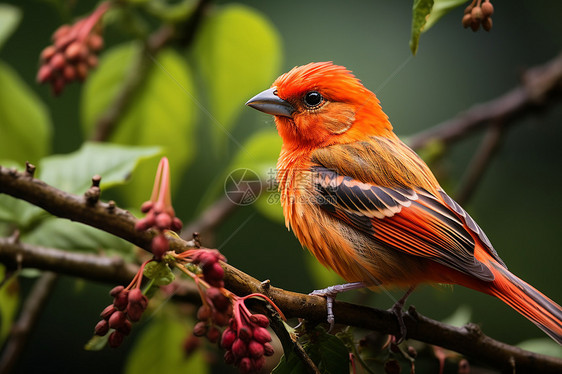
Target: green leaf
159, 350
239, 54
460, 317
420, 12
322, 276
63, 234
258, 155
25, 126
440, 8
73, 172
96, 342
162, 112
10, 17
327, 351
159, 272
9, 302
543, 346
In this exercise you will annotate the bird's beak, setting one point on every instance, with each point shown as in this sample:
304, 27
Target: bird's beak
268, 102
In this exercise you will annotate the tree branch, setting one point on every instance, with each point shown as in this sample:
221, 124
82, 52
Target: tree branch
540, 85
467, 340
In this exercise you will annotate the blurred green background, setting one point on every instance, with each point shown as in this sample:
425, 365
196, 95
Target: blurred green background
517, 203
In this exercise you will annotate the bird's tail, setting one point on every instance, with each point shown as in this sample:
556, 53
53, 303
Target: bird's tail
527, 300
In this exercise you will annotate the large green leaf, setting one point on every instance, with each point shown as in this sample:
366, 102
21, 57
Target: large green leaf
73, 172
159, 350
259, 156
9, 301
68, 235
10, 17
238, 52
420, 12
162, 112
440, 8
25, 126
327, 351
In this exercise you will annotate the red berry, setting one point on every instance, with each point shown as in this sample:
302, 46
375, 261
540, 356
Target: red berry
92, 61
57, 61
117, 319
213, 334
116, 291
115, 339
229, 358
160, 246
102, 327
203, 313
268, 349
190, 344
48, 52
245, 365
82, 70
107, 312
220, 318
255, 349
134, 312
146, 206
177, 224
95, 42
245, 333
69, 73
125, 327
135, 296
44, 74
258, 363
200, 329
145, 223
163, 221
75, 51
61, 31
262, 335
260, 320
466, 20
121, 300
219, 301
487, 9
228, 337
239, 348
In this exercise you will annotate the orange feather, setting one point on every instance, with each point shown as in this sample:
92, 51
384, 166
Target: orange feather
368, 207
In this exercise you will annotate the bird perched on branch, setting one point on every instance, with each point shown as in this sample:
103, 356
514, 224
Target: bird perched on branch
368, 207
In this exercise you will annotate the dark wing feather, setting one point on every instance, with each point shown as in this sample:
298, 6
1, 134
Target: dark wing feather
408, 220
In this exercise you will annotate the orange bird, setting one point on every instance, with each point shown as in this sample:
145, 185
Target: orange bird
368, 207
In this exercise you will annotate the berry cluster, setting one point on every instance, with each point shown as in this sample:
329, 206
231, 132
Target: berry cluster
212, 315
73, 53
208, 261
478, 13
246, 340
160, 214
128, 306
161, 218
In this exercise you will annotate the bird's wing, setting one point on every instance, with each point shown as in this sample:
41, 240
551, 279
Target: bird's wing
411, 220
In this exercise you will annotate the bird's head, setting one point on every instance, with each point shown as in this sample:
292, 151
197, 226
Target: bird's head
321, 104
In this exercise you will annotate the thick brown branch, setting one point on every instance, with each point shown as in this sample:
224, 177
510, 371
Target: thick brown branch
109, 218
539, 85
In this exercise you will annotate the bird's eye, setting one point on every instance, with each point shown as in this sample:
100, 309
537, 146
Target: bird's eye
313, 99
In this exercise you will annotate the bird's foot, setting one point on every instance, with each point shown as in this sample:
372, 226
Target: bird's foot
330, 294
397, 310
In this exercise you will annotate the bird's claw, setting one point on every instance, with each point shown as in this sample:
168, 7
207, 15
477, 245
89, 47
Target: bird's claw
399, 313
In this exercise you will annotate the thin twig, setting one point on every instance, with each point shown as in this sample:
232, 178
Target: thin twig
539, 85
29, 315
480, 162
